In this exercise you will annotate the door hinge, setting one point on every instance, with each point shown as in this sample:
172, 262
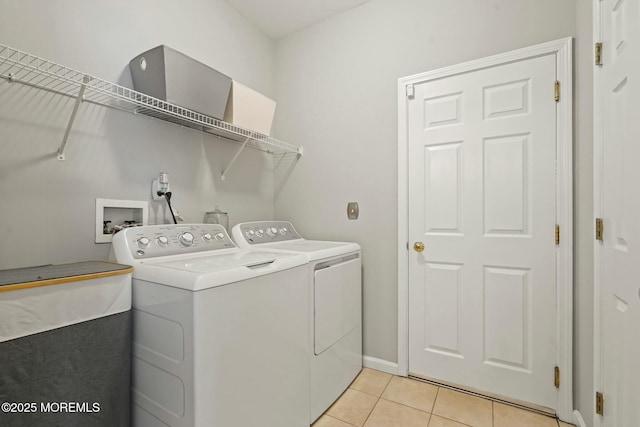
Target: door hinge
556, 91
556, 377
557, 234
599, 403
411, 92
598, 53
599, 229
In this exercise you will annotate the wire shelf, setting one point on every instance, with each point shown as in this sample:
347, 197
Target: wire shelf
21, 67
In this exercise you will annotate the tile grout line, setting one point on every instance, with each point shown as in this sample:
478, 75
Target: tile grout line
494, 399
338, 419
443, 417
431, 412
378, 400
434, 405
493, 413
406, 406
370, 394
409, 406
439, 388
450, 419
370, 412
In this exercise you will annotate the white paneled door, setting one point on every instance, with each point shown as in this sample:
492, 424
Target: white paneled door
482, 202
618, 173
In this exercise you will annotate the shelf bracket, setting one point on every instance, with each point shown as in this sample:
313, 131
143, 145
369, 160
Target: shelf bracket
224, 172
76, 105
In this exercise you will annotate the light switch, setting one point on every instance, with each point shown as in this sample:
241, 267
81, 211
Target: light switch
352, 210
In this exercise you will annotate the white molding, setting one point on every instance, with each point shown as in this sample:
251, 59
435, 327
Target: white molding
403, 231
380, 365
578, 420
563, 50
597, 209
564, 212
478, 64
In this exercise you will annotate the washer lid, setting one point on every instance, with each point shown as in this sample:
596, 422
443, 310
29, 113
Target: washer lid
282, 236
314, 249
208, 270
212, 263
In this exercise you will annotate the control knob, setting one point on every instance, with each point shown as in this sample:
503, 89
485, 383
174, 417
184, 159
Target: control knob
260, 233
186, 239
163, 240
207, 237
220, 236
284, 231
272, 231
250, 233
143, 242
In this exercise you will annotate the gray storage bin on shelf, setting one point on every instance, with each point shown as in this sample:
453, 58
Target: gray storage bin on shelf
174, 77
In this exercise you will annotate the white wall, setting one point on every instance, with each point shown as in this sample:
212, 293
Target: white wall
336, 87
47, 206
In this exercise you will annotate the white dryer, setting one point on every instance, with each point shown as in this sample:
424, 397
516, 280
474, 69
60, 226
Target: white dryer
220, 334
335, 277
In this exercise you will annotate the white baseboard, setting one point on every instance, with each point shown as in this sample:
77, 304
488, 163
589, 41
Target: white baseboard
578, 420
380, 365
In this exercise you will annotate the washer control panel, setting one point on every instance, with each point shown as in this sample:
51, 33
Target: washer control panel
255, 233
170, 239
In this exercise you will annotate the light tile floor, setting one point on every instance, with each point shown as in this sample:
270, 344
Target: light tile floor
377, 399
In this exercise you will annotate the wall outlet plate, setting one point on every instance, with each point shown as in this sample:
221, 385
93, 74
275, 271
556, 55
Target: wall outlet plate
155, 186
353, 211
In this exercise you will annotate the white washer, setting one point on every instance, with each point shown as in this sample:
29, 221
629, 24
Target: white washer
220, 334
336, 290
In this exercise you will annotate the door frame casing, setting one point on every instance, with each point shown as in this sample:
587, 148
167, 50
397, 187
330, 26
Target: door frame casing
598, 208
562, 48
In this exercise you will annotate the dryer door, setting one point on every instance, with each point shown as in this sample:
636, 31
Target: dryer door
337, 300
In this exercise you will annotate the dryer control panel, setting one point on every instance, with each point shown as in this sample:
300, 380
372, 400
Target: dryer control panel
255, 233
170, 239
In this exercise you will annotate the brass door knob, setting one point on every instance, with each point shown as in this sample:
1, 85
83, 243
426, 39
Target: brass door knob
418, 246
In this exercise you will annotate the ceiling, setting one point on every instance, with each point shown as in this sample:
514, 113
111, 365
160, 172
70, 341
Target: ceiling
278, 18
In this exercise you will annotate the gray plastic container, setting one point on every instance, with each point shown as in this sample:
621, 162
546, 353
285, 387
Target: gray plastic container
174, 77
